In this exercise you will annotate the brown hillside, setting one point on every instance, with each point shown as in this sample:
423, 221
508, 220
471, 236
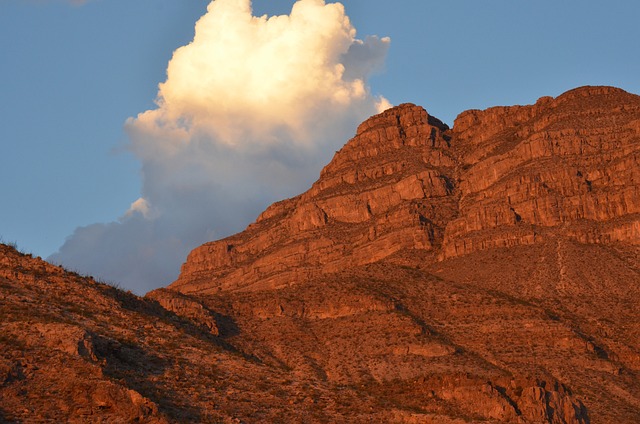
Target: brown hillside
73, 350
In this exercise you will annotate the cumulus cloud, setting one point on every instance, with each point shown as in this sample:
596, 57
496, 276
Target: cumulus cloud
250, 111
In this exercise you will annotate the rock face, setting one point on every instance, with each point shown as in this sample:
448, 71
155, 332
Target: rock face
502, 177
186, 307
388, 189
567, 166
488, 273
485, 272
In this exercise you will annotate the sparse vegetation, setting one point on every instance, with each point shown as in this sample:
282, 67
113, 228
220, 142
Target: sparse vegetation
12, 244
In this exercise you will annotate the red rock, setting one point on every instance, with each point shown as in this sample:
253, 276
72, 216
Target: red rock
506, 176
528, 216
485, 273
186, 307
388, 189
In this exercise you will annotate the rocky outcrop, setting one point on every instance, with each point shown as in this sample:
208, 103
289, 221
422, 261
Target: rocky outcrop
495, 254
514, 401
186, 307
388, 189
502, 177
566, 166
70, 339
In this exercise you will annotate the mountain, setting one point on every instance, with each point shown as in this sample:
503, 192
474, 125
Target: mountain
503, 177
488, 272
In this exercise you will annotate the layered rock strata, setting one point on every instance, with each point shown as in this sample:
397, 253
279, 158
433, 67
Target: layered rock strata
568, 166
501, 177
386, 190
454, 271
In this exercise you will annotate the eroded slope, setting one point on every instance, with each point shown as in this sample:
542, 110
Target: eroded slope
485, 272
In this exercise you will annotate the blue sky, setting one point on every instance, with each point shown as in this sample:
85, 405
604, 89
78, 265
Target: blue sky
71, 76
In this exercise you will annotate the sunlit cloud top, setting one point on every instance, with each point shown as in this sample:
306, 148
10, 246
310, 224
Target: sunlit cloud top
244, 76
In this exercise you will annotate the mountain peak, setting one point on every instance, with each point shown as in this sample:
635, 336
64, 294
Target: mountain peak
405, 182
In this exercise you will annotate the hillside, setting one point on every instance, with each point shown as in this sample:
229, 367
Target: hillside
75, 350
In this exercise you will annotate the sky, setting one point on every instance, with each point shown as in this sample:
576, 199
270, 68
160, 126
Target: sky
130, 134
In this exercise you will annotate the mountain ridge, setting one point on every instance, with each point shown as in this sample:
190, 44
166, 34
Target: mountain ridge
478, 185
485, 273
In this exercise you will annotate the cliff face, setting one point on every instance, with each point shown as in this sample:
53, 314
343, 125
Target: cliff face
388, 189
567, 166
502, 177
487, 272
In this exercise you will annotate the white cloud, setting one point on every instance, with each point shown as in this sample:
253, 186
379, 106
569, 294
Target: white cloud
251, 110
140, 206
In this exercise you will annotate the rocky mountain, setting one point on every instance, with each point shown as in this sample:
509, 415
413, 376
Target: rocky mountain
507, 176
488, 272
